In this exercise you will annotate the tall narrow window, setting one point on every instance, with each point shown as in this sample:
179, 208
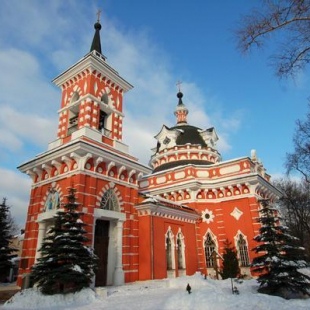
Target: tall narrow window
243, 251
109, 201
168, 252
102, 119
73, 122
180, 251
73, 119
73, 113
209, 251
103, 124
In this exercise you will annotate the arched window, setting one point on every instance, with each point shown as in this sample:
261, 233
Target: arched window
109, 201
210, 248
242, 248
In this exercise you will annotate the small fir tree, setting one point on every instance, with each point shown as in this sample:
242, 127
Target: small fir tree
230, 267
280, 258
6, 250
66, 264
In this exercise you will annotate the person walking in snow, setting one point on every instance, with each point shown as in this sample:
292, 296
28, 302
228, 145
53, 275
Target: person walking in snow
188, 288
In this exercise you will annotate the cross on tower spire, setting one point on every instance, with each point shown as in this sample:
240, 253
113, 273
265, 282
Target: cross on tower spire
98, 15
96, 44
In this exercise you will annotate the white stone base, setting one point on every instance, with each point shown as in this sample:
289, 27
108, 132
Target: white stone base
171, 273
118, 278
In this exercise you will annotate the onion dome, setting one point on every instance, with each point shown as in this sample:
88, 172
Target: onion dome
184, 144
181, 110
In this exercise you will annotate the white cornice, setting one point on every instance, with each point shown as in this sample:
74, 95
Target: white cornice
97, 175
82, 148
176, 150
92, 62
211, 166
252, 179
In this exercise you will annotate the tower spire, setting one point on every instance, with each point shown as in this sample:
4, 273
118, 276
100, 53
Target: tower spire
181, 110
96, 44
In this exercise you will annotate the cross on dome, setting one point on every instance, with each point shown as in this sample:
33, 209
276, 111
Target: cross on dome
178, 84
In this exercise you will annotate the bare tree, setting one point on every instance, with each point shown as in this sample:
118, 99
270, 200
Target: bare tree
288, 21
14, 227
299, 159
295, 209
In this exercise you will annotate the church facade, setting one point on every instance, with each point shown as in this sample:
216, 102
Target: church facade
166, 220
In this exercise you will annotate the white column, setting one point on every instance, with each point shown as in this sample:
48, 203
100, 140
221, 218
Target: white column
41, 235
119, 278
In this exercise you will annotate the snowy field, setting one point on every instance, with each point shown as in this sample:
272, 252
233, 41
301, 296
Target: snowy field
160, 295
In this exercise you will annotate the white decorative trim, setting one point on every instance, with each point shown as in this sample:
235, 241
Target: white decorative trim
116, 191
236, 213
207, 216
110, 166
236, 238
213, 237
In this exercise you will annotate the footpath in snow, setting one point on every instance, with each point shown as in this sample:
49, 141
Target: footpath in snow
164, 294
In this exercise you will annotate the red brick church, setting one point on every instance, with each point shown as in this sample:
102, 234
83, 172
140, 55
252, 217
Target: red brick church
166, 220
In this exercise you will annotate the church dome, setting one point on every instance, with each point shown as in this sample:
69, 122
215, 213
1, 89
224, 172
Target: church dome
184, 144
189, 134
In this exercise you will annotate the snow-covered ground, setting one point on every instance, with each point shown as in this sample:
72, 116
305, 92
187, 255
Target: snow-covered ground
160, 295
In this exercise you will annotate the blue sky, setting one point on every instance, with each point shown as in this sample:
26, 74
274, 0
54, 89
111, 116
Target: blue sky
152, 44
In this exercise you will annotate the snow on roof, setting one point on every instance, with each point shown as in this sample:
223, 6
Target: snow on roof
150, 199
166, 202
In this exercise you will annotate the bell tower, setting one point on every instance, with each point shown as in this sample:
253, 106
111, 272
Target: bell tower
89, 155
91, 100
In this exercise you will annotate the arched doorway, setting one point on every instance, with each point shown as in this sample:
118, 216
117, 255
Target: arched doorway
108, 233
101, 245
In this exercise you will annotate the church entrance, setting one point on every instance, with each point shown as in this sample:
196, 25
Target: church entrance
101, 250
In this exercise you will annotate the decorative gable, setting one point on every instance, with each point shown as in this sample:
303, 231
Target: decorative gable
209, 136
166, 138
